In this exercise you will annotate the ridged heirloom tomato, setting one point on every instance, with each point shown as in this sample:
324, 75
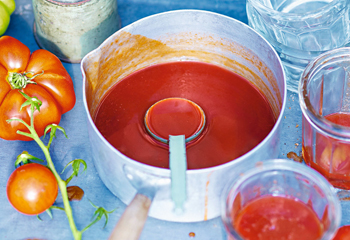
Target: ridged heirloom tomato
32, 188
40, 74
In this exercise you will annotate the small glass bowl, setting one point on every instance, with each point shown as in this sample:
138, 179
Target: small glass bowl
281, 177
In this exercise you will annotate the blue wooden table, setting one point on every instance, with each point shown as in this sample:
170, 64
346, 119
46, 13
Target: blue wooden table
15, 226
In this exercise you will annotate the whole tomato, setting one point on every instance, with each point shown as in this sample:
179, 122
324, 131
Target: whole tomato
40, 74
343, 233
32, 188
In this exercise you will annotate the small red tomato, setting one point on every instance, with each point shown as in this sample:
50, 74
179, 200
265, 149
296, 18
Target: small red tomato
343, 233
32, 188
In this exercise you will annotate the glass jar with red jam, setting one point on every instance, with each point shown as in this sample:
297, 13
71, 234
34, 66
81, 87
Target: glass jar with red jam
324, 94
280, 199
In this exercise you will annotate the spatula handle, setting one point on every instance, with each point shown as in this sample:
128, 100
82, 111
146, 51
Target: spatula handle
130, 225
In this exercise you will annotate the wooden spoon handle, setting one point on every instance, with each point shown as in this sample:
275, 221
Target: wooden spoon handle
130, 225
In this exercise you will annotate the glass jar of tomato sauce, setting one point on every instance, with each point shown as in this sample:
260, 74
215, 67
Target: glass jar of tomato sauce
324, 95
280, 199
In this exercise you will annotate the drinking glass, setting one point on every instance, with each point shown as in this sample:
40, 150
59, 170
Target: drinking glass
324, 95
285, 178
300, 30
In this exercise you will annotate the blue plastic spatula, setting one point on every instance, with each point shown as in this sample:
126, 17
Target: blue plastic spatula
178, 167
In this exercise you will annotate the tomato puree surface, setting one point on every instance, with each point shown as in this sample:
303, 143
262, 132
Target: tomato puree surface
340, 118
331, 156
277, 217
174, 116
238, 116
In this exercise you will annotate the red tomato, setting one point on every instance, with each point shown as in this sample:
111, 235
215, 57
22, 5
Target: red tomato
52, 85
32, 188
343, 233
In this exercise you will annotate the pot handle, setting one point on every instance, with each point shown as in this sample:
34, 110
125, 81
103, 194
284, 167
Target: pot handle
131, 223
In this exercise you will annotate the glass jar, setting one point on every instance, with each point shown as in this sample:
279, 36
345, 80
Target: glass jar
72, 28
324, 95
278, 193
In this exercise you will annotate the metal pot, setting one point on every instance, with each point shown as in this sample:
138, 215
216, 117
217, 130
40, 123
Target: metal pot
183, 35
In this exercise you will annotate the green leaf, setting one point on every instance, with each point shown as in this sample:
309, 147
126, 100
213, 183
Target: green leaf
37, 216
25, 158
33, 101
57, 208
48, 211
53, 127
26, 103
76, 167
97, 216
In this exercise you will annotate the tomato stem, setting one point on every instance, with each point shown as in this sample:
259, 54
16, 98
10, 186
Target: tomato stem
21, 80
35, 104
61, 183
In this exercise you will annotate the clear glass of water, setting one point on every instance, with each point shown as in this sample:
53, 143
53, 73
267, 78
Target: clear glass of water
300, 30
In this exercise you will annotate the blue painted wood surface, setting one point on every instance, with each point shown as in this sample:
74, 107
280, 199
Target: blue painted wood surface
15, 226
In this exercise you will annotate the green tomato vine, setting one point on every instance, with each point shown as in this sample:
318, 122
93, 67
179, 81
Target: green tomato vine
25, 158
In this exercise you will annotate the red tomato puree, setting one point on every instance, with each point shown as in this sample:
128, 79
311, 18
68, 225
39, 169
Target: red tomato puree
343, 233
341, 118
277, 217
332, 156
238, 116
174, 116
